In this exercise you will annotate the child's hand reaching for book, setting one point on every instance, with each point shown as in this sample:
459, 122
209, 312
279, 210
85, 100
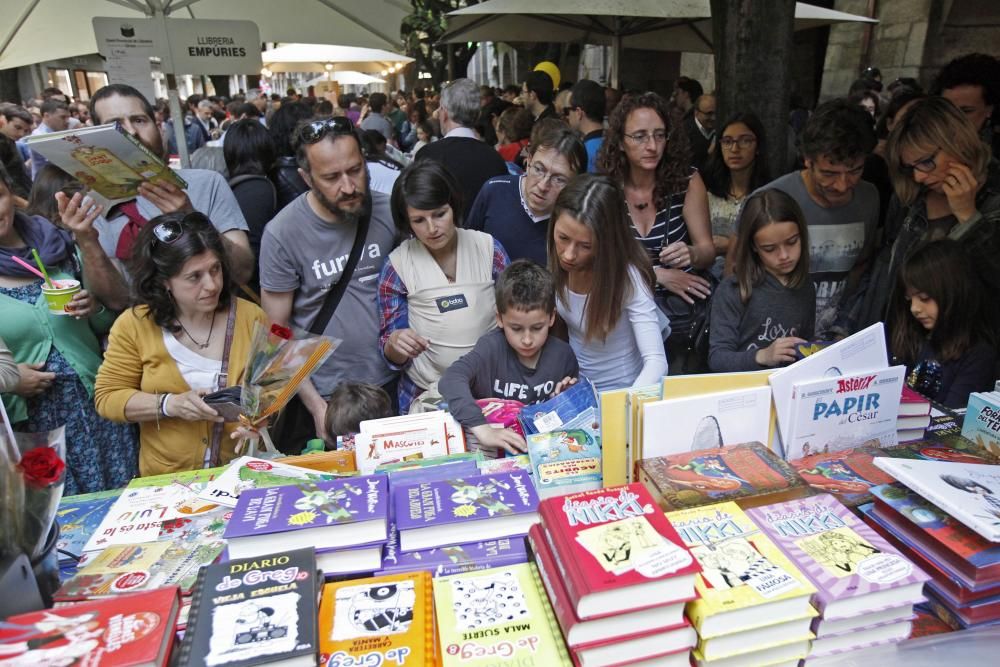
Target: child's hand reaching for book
781, 351
166, 196
563, 385
499, 438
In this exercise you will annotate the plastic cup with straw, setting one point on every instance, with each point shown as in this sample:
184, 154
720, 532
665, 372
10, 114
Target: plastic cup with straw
58, 293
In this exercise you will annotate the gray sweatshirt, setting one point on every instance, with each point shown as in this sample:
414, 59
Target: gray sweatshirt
738, 330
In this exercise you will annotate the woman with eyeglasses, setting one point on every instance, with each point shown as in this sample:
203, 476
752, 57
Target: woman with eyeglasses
436, 289
57, 355
737, 166
667, 211
186, 336
946, 186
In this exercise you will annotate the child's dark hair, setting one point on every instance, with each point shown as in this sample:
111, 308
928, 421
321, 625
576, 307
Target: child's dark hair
352, 403
944, 272
764, 208
525, 286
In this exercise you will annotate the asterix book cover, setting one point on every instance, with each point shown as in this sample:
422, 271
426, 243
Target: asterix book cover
468, 509
333, 514
385, 620
248, 472
616, 551
454, 558
854, 570
838, 413
254, 611
565, 461
105, 158
982, 420
498, 617
746, 582
704, 477
130, 631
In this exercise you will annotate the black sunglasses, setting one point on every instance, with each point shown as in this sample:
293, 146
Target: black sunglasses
169, 231
313, 131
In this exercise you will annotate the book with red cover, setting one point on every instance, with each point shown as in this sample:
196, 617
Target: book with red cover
613, 627
662, 649
125, 631
913, 404
848, 474
616, 550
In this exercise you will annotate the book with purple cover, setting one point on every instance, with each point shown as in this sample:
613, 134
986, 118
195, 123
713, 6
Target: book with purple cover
452, 559
322, 514
854, 570
459, 510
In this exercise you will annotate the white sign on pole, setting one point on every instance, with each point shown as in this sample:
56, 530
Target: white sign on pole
128, 45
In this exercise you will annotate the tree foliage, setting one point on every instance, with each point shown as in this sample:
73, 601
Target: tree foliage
423, 28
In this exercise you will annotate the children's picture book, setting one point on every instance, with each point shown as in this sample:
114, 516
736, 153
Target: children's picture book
254, 611
78, 517
106, 159
862, 352
746, 582
565, 461
707, 476
499, 612
189, 478
833, 414
854, 570
968, 492
709, 421
982, 420
458, 510
575, 407
454, 558
248, 472
386, 620
413, 464
130, 631
323, 514
506, 464
849, 474
616, 551
395, 439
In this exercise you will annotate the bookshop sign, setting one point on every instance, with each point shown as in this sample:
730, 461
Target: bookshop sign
185, 46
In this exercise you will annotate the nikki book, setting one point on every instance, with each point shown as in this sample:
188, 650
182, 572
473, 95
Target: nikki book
616, 551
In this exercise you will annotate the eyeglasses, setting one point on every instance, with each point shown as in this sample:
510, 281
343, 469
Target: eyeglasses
925, 166
728, 143
313, 131
640, 138
539, 171
169, 231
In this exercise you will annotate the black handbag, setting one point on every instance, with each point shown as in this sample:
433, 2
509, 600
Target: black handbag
689, 323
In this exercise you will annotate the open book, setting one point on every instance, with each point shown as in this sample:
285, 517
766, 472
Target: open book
105, 158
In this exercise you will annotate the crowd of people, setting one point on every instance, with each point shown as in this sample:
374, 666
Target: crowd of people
479, 243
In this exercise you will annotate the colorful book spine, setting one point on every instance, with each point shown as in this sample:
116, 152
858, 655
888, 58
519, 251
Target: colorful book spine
453, 559
461, 500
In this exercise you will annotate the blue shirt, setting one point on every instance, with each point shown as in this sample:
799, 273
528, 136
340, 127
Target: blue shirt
592, 142
501, 212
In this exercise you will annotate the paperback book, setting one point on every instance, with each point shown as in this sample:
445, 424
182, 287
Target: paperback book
854, 570
982, 421
78, 517
454, 558
565, 461
248, 472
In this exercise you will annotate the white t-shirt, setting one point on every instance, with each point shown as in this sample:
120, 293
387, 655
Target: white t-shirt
632, 355
198, 371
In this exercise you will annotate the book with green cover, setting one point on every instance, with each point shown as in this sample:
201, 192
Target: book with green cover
185, 477
746, 581
497, 617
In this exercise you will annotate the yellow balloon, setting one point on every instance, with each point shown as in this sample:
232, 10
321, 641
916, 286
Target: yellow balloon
551, 69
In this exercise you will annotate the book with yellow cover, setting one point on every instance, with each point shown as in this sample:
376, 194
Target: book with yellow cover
746, 581
614, 425
634, 446
386, 620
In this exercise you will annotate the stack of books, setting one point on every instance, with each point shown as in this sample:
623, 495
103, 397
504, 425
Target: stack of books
982, 420
753, 605
617, 575
865, 588
914, 416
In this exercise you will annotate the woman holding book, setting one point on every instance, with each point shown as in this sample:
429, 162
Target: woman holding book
604, 287
186, 336
436, 289
57, 356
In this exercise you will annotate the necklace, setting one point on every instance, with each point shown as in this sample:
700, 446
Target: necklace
641, 207
201, 346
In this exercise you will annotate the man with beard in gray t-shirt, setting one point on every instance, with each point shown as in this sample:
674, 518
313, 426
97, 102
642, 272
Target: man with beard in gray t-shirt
304, 250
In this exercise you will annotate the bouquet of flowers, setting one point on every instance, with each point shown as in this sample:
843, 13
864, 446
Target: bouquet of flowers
280, 361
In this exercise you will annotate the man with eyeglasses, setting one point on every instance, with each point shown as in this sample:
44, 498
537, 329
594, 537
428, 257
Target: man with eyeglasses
304, 251
700, 128
117, 229
841, 209
585, 115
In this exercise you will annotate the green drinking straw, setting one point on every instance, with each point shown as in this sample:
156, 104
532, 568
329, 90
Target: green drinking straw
41, 267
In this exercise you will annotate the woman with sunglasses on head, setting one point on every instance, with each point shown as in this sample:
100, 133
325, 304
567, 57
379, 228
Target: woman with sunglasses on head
57, 355
185, 336
436, 289
667, 209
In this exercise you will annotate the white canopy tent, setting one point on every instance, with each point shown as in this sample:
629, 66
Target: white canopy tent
346, 78
661, 25
330, 58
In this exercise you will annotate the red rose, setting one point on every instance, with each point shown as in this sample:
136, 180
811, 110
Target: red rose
281, 332
41, 466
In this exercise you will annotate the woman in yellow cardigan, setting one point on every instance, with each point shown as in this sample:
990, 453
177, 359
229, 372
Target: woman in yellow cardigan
166, 352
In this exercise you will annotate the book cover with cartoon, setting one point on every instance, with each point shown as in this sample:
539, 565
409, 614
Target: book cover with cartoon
79, 516
982, 421
460, 500
740, 566
849, 474
840, 554
565, 461
452, 559
248, 472
395, 610
498, 612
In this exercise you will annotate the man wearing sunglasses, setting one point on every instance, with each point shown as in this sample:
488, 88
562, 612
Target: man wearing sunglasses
585, 115
117, 229
305, 249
